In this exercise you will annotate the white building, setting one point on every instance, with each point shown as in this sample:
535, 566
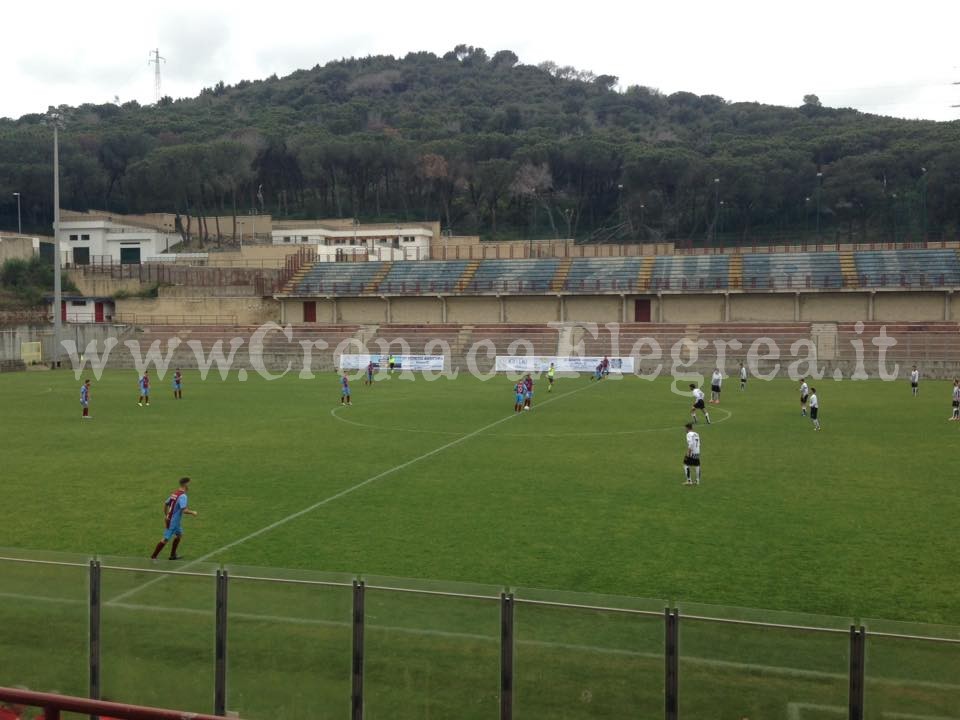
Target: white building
377, 242
80, 309
101, 238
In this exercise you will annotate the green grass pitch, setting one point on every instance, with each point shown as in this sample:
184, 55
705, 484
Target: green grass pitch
438, 480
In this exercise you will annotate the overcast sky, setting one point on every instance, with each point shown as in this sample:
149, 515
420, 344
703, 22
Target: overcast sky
881, 57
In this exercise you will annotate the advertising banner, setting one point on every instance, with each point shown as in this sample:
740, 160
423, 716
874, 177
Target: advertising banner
540, 363
401, 362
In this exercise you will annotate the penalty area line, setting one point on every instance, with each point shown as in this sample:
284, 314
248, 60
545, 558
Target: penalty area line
332, 498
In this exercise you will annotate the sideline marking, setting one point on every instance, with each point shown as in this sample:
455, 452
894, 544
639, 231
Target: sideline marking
331, 498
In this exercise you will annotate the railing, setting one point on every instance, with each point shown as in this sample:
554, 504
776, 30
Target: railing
138, 319
54, 704
198, 276
274, 643
765, 283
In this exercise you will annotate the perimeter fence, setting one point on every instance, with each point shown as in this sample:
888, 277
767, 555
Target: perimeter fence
268, 643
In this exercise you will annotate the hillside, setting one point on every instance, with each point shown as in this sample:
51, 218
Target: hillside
495, 147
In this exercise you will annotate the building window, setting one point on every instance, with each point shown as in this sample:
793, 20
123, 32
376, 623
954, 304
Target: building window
73, 237
303, 238
78, 303
84, 237
286, 238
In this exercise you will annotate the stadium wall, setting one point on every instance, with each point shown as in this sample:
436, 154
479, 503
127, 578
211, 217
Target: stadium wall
246, 310
690, 308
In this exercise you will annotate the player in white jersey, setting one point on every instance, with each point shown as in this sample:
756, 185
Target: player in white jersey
815, 408
691, 458
698, 403
743, 377
804, 395
715, 381
915, 381
956, 400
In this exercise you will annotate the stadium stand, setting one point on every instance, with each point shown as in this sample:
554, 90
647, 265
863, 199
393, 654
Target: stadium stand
420, 277
603, 274
765, 271
907, 268
333, 278
704, 272
514, 276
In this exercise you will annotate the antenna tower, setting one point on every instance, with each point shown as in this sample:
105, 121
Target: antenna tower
155, 60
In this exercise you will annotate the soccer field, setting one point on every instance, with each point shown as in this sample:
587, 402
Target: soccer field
440, 480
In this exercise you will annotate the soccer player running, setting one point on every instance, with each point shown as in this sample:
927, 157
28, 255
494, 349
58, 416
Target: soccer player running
743, 378
691, 458
527, 391
144, 385
698, 404
369, 378
345, 391
85, 399
174, 508
715, 381
178, 385
815, 408
551, 372
804, 396
915, 381
956, 400
605, 366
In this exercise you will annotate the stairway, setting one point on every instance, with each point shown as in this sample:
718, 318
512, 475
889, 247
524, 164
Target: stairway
736, 272
467, 277
290, 288
848, 269
382, 272
646, 272
560, 276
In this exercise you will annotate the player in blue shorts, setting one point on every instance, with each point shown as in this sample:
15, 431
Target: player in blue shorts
174, 508
527, 392
520, 392
369, 380
178, 385
345, 391
144, 384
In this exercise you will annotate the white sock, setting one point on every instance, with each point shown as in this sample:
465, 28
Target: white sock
698, 473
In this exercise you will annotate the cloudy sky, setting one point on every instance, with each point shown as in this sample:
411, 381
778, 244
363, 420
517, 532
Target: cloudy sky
881, 57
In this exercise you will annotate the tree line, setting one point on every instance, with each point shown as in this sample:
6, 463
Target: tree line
494, 147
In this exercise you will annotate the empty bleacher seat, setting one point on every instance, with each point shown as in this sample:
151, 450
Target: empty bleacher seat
819, 270
603, 274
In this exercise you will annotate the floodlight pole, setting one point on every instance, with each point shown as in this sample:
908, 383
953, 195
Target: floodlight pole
57, 301
19, 224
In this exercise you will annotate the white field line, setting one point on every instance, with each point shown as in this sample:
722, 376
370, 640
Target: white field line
793, 708
343, 493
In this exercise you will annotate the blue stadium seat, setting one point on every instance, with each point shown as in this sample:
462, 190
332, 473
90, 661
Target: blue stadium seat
514, 275
693, 272
337, 278
767, 271
907, 268
413, 276
603, 274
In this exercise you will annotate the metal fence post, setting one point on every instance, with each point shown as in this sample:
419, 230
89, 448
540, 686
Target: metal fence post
671, 657
94, 638
220, 675
356, 700
858, 638
506, 656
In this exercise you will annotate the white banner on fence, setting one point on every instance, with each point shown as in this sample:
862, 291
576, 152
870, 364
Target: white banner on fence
401, 362
540, 363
